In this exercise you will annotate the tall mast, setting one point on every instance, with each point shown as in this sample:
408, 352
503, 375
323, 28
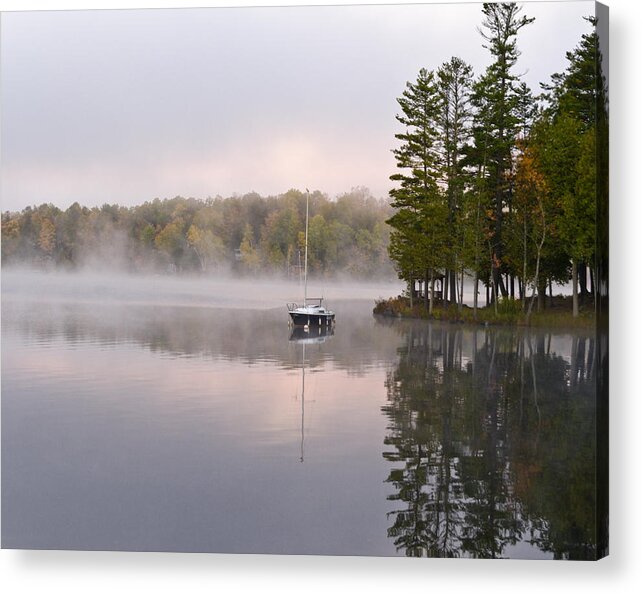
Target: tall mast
305, 281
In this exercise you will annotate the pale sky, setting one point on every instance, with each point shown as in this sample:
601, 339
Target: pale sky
128, 105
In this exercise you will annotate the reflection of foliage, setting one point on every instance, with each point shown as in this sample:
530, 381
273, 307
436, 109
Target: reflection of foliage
204, 332
491, 445
564, 454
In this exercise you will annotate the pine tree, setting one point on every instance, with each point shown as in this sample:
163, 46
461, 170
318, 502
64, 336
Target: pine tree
418, 222
574, 92
576, 101
454, 86
496, 92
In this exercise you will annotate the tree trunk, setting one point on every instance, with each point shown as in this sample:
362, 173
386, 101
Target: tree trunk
494, 276
498, 281
540, 245
444, 287
495, 298
411, 291
550, 292
576, 307
426, 279
581, 273
475, 294
453, 286
524, 266
200, 259
541, 295
432, 291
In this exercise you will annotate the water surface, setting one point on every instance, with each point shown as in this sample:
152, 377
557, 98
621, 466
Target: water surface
135, 421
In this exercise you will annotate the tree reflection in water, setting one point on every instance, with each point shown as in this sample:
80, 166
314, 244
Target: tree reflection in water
491, 441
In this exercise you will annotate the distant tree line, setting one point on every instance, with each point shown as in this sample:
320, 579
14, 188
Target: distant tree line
496, 183
249, 234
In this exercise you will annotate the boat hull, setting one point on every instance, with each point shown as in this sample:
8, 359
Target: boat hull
311, 319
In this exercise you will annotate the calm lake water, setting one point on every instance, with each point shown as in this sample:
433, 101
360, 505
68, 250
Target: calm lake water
165, 415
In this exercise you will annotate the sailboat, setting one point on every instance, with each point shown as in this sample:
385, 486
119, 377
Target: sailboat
312, 313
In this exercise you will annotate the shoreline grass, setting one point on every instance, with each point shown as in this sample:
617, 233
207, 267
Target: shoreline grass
558, 314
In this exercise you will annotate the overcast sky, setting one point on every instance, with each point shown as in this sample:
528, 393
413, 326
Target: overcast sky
125, 106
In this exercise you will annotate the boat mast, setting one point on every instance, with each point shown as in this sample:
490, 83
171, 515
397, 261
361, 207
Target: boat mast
305, 281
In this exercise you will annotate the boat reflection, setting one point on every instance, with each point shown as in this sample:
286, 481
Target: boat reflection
312, 335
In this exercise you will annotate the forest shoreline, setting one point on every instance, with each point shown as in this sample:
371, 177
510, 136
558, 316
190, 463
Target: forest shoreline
557, 314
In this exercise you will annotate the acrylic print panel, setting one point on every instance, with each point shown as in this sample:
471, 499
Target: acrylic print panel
306, 280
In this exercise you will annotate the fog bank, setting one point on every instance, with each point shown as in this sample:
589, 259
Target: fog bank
182, 291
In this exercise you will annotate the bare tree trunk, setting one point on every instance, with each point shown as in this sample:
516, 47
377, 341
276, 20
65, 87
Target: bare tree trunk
535, 283
524, 267
493, 276
495, 298
581, 275
537, 261
432, 291
475, 294
426, 278
498, 280
411, 290
576, 307
453, 285
444, 287
541, 295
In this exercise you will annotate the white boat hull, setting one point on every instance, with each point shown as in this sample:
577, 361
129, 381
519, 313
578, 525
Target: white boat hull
310, 315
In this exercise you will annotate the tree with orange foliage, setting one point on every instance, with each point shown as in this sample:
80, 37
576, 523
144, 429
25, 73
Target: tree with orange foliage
529, 200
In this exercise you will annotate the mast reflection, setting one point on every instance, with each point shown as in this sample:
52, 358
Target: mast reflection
307, 336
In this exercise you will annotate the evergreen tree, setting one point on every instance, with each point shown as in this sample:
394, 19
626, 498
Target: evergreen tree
575, 91
497, 93
454, 86
575, 103
418, 222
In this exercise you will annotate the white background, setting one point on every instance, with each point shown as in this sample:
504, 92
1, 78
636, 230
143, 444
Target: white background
98, 572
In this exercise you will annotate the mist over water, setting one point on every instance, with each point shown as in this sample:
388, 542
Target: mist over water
225, 290
222, 291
